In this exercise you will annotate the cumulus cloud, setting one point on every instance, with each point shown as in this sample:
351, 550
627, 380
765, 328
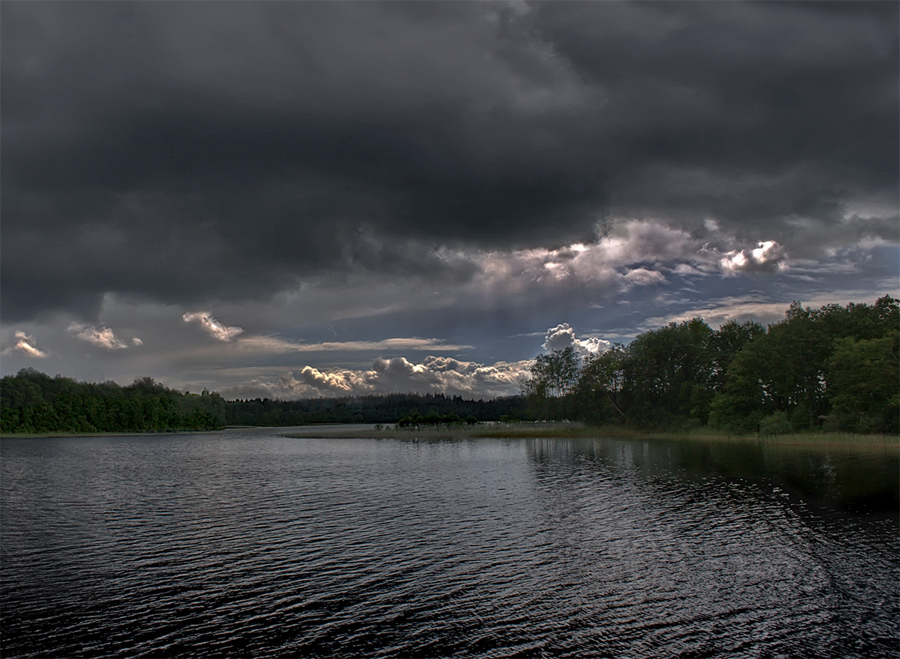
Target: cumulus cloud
212, 326
26, 344
767, 256
563, 336
103, 337
434, 374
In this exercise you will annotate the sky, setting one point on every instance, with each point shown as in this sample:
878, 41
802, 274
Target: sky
303, 199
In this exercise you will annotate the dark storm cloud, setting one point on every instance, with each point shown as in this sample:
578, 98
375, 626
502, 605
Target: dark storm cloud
193, 151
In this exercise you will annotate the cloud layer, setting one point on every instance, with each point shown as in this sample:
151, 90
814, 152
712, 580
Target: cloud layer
195, 153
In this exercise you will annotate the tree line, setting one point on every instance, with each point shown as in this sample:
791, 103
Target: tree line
33, 402
832, 368
375, 408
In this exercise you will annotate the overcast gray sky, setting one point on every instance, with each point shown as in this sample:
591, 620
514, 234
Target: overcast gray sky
320, 198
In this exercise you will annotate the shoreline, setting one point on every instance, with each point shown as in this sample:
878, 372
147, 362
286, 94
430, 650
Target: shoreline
526, 430
581, 431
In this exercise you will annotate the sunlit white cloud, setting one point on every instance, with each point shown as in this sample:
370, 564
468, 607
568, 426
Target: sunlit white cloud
432, 375
212, 326
26, 344
634, 253
103, 337
563, 336
766, 256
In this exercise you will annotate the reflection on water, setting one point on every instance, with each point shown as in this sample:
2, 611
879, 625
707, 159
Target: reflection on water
861, 481
245, 543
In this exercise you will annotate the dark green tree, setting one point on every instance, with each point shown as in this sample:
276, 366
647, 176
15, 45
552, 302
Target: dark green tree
600, 392
863, 384
553, 377
669, 374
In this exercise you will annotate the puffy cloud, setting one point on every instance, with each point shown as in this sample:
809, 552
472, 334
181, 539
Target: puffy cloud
25, 344
102, 338
563, 336
397, 374
766, 257
213, 327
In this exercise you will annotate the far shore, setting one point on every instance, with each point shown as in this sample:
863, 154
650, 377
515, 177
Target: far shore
562, 430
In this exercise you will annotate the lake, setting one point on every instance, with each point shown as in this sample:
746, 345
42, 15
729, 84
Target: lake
245, 543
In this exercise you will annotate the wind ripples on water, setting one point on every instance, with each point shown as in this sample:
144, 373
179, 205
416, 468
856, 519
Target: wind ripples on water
249, 544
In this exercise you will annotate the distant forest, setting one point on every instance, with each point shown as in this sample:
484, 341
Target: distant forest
833, 368
33, 402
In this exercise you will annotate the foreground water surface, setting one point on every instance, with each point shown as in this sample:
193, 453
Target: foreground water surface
244, 543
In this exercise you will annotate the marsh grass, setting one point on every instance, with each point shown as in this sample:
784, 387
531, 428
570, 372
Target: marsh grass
564, 430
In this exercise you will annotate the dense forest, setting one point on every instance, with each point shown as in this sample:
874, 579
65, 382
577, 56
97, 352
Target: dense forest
389, 408
833, 368
32, 402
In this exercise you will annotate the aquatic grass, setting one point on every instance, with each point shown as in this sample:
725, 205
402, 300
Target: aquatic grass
567, 430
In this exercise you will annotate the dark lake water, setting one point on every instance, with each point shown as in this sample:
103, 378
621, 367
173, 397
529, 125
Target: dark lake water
243, 543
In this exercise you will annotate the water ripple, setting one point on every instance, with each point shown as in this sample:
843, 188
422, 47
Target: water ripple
254, 545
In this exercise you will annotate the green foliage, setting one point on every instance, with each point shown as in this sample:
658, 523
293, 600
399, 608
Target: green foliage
864, 388
32, 402
725, 345
776, 423
834, 367
832, 364
432, 419
669, 374
600, 390
554, 377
